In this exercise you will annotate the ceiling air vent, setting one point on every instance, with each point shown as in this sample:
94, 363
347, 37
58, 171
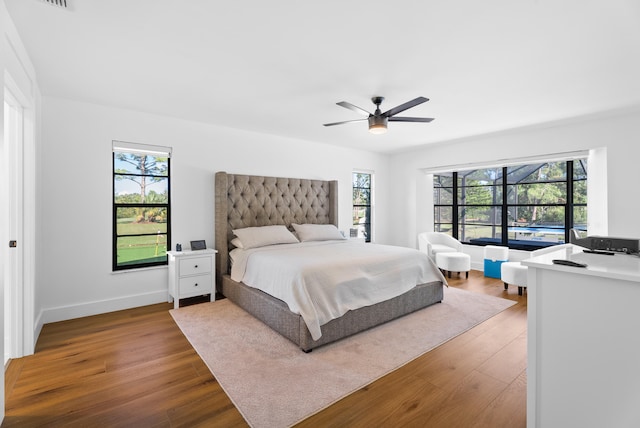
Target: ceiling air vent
60, 3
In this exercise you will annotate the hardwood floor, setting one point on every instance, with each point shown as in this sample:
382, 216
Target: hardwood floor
135, 368
477, 379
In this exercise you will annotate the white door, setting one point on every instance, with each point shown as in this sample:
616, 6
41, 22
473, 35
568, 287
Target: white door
12, 162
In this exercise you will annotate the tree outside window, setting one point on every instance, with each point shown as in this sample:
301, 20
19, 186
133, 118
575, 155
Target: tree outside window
523, 206
362, 205
141, 210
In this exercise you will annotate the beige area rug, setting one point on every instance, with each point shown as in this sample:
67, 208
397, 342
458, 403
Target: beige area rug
274, 384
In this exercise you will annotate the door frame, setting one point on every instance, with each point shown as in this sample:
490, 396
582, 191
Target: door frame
21, 166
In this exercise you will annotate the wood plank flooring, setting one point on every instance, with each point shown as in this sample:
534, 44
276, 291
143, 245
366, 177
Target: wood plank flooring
135, 368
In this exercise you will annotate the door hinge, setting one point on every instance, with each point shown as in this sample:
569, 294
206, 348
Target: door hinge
13, 244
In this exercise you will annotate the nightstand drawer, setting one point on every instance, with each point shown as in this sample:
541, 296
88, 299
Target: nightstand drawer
199, 284
195, 266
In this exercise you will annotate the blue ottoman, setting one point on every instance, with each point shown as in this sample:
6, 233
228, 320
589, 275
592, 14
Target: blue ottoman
494, 256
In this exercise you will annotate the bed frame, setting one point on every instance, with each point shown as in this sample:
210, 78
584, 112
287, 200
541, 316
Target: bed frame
248, 201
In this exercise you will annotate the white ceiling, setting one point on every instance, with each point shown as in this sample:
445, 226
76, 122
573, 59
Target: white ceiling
279, 67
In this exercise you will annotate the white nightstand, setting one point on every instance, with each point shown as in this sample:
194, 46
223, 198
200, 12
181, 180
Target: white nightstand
191, 273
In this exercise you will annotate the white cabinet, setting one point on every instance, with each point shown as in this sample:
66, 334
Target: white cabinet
191, 273
583, 352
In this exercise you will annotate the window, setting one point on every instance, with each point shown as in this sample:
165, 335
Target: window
443, 203
141, 205
522, 206
362, 186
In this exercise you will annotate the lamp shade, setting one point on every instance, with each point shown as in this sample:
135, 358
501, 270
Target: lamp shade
377, 124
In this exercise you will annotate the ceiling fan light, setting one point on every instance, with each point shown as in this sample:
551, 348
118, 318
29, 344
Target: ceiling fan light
377, 125
377, 129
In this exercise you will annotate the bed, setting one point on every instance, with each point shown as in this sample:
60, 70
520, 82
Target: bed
247, 201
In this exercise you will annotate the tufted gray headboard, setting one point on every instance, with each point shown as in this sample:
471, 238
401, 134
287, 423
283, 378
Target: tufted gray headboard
250, 200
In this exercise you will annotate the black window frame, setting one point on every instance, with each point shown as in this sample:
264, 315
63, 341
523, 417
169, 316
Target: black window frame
357, 205
164, 260
453, 227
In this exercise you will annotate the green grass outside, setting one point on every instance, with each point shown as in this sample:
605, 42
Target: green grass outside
133, 228
141, 249
128, 257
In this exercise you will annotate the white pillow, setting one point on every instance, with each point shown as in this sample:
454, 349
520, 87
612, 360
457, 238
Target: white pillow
236, 242
253, 237
317, 232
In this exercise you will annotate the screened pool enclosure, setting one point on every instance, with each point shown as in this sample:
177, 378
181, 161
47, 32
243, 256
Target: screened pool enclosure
520, 206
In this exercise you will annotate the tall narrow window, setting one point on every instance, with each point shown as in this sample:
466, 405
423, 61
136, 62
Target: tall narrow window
362, 204
443, 220
141, 205
579, 192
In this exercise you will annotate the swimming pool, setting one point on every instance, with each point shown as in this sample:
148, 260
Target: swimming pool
529, 229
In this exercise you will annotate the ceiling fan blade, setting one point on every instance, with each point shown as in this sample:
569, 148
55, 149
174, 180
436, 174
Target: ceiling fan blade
410, 119
405, 106
354, 108
346, 121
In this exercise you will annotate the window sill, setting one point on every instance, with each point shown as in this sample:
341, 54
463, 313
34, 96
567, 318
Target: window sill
118, 272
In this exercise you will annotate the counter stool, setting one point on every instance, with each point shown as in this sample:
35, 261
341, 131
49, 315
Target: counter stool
454, 262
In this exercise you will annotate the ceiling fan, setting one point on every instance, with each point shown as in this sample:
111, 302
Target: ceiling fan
378, 120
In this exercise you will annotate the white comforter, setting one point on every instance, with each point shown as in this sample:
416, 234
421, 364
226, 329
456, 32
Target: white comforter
322, 280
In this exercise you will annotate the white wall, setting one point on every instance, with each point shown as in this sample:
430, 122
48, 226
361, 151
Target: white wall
75, 275
613, 201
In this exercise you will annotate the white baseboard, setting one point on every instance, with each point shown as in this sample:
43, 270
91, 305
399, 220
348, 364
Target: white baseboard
478, 266
86, 309
37, 328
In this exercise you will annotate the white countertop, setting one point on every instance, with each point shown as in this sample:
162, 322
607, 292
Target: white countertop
619, 266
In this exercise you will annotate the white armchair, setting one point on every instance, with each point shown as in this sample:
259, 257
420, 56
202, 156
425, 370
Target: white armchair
433, 243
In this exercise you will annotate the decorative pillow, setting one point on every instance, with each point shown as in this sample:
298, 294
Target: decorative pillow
236, 242
253, 237
317, 232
